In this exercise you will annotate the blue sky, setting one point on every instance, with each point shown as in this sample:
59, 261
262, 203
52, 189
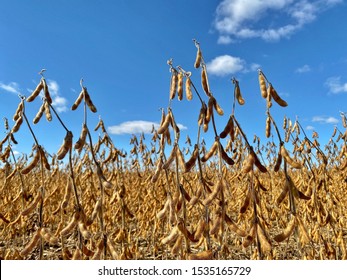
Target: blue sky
120, 49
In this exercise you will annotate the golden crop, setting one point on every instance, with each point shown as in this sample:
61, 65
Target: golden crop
284, 199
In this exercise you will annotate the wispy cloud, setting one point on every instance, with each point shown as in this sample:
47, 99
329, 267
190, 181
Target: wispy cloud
134, 127
226, 65
59, 102
238, 18
224, 40
254, 67
309, 127
11, 87
325, 120
303, 69
335, 85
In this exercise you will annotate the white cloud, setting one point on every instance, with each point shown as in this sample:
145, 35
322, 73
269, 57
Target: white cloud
309, 127
303, 69
53, 87
133, 127
238, 18
335, 85
224, 40
11, 87
59, 102
225, 64
325, 120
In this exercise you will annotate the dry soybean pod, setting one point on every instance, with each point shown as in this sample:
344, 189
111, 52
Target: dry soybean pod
278, 162
39, 114
80, 142
304, 236
19, 111
32, 244
200, 229
214, 193
171, 158
229, 129
248, 163
89, 101
238, 94
204, 81
48, 236
66, 146
47, 111
178, 244
71, 225
268, 127
189, 94
209, 111
191, 162
262, 84
276, 97
164, 126
172, 236
210, 152
95, 212
202, 114
162, 212
258, 164
36, 92
181, 160
173, 83
13, 139
225, 156
246, 202
157, 171
198, 57
6, 124
180, 86
287, 231
283, 194
218, 108
14, 171
288, 159
32, 164
233, 226
264, 241
33, 204
44, 159
334, 132
99, 124
67, 195
17, 125
46, 91
78, 101
268, 97
216, 225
